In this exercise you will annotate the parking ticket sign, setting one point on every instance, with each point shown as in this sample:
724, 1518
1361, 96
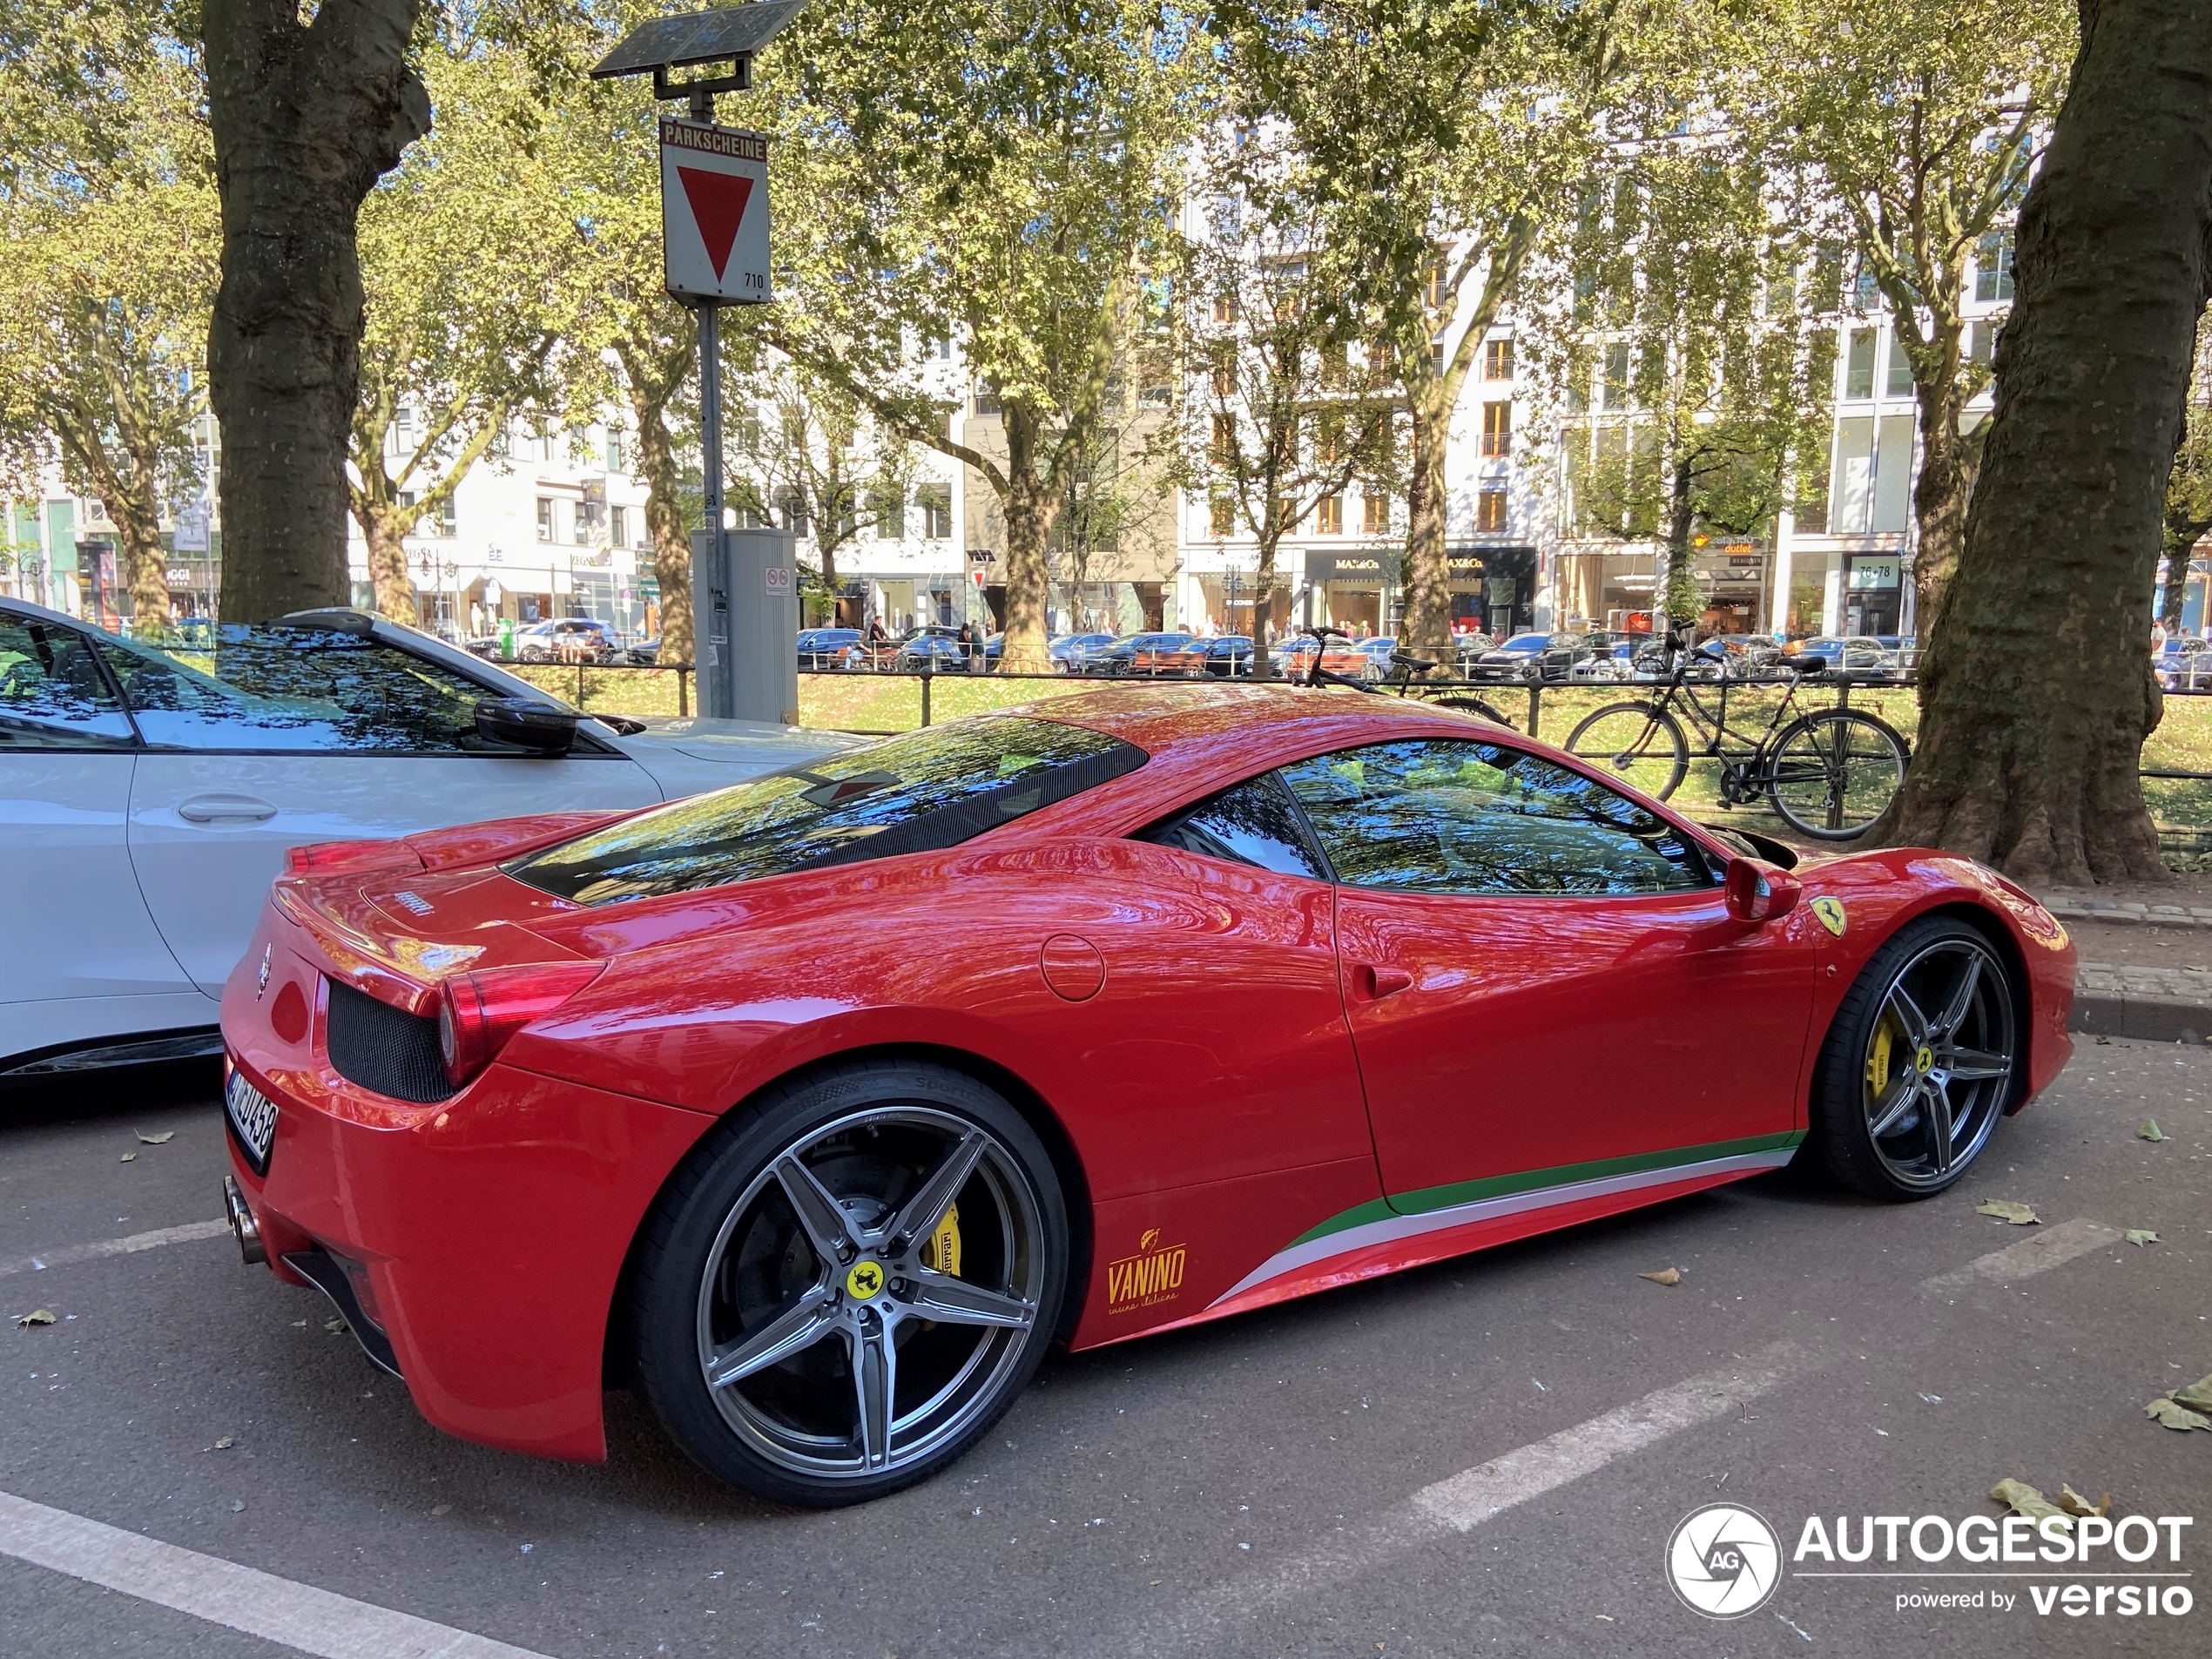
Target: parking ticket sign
714, 212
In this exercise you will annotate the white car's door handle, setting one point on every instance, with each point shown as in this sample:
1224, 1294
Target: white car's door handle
218, 809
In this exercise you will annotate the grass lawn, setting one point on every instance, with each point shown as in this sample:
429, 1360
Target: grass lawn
892, 703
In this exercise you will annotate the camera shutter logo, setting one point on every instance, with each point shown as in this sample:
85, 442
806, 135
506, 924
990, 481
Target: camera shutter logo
1723, 1560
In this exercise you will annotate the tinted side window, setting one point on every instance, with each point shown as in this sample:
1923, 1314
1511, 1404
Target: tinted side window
52, 694
1253, 823
1472, 816
274, 688
924, 790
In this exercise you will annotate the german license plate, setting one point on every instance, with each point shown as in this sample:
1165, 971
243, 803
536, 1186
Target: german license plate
252, 1115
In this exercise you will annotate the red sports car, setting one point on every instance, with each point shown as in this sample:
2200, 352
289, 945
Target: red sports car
1171, 1002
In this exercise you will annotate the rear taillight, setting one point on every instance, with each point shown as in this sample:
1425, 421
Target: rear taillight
326, 857
477, 1013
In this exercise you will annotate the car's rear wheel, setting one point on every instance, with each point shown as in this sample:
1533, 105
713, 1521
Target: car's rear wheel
850, 1282
1918, 1064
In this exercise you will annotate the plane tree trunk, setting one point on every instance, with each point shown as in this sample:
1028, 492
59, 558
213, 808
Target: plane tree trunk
2036, 693
306, 116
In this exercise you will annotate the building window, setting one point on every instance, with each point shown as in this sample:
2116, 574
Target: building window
1328, 515
1374, 514
986, 403
1615, 394
618, 526
1497, 430
792, 506
1858, 364
1981, 347
1489, 509
1899, 381
615, 456
1221, 516
1993, 267
1225, 382
446, 521
1434, 297
545, 518
1224, 307
1497, 359
888, 509
1436, 354
941, 349
1224, 439
936, 504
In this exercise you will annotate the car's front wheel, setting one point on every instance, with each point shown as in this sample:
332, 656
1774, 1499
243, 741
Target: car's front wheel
1918, 1064
850, 1281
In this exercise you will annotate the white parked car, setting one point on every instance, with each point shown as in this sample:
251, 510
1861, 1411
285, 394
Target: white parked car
148, 797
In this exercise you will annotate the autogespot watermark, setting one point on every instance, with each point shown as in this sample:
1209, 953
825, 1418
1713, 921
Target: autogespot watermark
1724, 1561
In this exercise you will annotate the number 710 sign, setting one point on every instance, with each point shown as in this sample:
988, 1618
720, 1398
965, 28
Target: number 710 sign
714, 212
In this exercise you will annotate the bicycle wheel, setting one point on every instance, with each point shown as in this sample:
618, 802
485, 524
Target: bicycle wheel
1640, 744
1473, 705
1833, 772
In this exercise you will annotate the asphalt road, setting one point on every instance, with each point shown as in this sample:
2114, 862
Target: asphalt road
1278, 1485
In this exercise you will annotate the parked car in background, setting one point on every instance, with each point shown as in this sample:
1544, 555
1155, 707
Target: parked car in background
1612, 657
1120, 657
1546, 657
1070, 652
2184, 664
155, 792
1223, 655
1837, 654
567, 639
640, 653
828, 647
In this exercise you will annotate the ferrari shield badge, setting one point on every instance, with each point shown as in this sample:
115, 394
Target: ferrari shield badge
1831, 912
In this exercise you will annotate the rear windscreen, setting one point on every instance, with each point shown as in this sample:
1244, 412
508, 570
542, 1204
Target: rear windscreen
921, 790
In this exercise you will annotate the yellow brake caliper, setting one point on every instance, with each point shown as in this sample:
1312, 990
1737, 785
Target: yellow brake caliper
1877, 1063
942, 1252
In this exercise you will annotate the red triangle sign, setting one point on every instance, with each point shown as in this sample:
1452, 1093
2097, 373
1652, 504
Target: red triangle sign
718, 202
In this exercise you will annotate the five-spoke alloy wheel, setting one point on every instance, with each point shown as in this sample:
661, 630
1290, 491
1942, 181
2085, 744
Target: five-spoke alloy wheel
1920, 1064
850, 1282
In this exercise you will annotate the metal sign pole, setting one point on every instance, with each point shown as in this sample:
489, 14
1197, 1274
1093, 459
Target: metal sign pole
711, 598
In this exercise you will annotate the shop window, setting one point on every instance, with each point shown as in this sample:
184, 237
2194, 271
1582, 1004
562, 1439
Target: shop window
1374, 514
545, 519
1497, 359
1221, 516
1328, 515
1497, 430
1489, 509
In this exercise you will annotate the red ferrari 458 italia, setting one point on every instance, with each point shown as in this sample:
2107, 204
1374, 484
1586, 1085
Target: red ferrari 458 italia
818, 1108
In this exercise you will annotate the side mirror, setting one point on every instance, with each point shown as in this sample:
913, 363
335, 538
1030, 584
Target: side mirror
1758, 892
519, 723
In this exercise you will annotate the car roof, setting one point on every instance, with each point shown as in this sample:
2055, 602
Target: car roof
1166, 719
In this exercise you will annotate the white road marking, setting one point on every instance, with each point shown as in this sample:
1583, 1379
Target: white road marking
1469, 1499
2047, 1247
135, 1243
238, 1598
1460, 1502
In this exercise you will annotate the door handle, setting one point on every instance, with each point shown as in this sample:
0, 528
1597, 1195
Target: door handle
1375, 983
217, 809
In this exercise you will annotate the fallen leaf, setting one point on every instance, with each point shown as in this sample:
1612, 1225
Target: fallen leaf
2168, 1414
37, 1316
162, 1139
237, 1505
224, 1444
336, 1327
126, 1158
2104, 1043
2150, 1131
2197, 1396
441, 1508
2139, 1236
2074, 1504
1668, 1276
2024, 1499
2009, 1210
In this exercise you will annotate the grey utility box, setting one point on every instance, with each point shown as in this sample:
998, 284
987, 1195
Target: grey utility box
745, 619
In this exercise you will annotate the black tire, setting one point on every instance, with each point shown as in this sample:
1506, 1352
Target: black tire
1640, 744
860, 1131
1905, 1118
1831, 773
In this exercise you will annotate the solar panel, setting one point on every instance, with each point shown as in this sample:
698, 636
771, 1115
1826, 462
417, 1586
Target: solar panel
698, 37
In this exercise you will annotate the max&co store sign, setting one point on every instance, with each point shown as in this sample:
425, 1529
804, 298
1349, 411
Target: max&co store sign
1390, 567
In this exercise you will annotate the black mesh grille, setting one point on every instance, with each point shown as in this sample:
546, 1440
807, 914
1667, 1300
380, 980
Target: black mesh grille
385, 1049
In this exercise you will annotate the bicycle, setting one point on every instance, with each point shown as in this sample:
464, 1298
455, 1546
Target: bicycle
1402, 670
1829, 774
